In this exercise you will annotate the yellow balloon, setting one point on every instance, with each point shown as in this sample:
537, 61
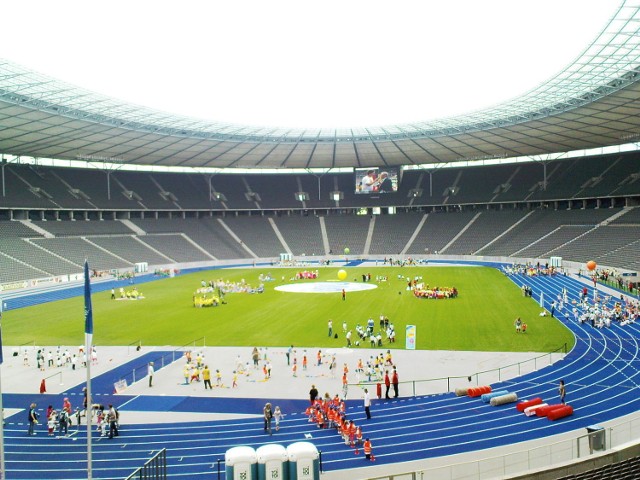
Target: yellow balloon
342, 274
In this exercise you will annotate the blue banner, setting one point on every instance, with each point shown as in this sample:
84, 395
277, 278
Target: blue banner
410, 337
88, 310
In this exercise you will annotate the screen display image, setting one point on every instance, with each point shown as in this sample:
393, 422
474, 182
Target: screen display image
376, 180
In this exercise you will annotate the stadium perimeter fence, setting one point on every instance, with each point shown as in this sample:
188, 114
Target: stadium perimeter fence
594, 448
486, 377
141, 371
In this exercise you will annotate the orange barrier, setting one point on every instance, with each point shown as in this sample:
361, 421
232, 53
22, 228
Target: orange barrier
557, 413
477, 391
544, 411
528, 403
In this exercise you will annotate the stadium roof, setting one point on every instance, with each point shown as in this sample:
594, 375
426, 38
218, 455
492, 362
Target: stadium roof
593, 102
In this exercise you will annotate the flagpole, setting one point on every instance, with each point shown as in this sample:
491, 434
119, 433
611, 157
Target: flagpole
88, 334
2, 467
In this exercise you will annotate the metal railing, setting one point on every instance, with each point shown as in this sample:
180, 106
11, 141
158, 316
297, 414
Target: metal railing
140, 371
570, 451
485, 377
154, 469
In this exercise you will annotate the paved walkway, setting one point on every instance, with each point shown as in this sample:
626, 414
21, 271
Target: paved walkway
169, 380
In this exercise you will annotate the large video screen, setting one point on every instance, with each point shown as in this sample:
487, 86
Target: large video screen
376, 180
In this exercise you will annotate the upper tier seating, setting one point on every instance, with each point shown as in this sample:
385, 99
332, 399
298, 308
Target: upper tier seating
69, 188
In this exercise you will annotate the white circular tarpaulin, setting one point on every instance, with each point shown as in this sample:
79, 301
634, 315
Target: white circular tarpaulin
325, 287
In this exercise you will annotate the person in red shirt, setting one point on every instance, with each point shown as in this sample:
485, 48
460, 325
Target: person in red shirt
387, 384
66, 405
394, 381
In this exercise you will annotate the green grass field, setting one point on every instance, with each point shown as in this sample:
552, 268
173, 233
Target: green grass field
480, 319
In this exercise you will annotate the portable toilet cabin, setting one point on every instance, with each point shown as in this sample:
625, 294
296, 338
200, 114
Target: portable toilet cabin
304, 463
273, 462
241, 464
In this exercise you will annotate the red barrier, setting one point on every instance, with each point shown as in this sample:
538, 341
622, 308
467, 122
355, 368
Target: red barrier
528, 403
557, 413
477, 391
544, 411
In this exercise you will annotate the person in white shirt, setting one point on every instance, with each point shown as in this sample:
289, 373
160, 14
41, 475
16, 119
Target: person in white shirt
150, 372
367, 182
367, 404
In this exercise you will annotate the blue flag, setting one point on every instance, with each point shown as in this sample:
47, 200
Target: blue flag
88, 311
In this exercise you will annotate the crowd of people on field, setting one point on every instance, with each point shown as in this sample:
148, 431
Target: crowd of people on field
366, 334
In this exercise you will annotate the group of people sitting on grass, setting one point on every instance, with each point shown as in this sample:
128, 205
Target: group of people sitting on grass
222, 287
425, 291
212, 293
306, 275
201, 300
132, 294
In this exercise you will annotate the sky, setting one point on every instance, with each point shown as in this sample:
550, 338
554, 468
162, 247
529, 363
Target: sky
297, 64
